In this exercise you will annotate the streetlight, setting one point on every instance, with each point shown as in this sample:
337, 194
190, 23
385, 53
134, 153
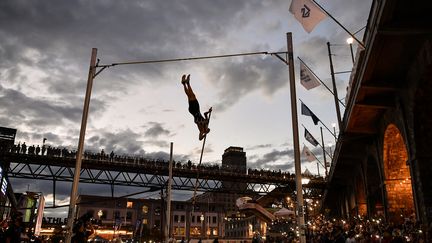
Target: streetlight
350, 41
100, 213
334, 131
202, 224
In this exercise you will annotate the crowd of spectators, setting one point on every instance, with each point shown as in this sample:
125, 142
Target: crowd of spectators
64, 152
358, 229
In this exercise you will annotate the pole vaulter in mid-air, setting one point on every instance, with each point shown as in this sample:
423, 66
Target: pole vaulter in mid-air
201, 121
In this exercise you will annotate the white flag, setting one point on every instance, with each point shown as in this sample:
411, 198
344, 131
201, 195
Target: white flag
307, 79
307, 13
306, 152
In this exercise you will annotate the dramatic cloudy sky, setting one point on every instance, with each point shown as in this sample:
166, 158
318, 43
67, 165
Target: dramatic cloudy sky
45, 49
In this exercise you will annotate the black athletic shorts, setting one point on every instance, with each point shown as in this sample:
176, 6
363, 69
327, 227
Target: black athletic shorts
194, 109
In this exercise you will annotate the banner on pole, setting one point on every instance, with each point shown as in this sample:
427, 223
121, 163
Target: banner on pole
307, 112
306, 152
307, 13
310, 138
307, 79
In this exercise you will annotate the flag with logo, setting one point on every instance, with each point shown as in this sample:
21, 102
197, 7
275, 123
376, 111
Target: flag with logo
307, 79
309, 155
307, 13
307, 112
310, 138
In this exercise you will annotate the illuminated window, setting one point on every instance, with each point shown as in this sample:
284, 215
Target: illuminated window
145, 221
145, 209
129, 204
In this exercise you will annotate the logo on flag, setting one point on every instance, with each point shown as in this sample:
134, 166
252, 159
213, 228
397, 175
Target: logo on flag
307, 13
307, 112
306, 152
307, 79
310, 138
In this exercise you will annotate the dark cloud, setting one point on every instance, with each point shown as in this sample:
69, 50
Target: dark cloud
237, 79
259, 146
156, 130
38, 111
272, 160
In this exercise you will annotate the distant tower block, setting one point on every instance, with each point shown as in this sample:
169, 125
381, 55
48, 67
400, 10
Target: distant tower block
234, 160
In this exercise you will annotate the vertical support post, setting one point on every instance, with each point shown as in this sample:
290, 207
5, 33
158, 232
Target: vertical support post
168, 201
54, 192
335, 94
324, 154
352, 52
299, 189
77, 172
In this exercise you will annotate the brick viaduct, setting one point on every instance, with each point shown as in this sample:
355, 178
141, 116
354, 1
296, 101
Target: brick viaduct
383, 158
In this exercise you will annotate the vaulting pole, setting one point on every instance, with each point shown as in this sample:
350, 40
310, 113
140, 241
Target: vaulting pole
77, 172
299, 189
168, 201
335, 94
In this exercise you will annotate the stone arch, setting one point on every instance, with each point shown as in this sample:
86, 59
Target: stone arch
397, 176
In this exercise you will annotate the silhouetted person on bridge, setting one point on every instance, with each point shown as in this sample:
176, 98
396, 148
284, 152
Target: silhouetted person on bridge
37, 150
194, 108
112, 156
23, 148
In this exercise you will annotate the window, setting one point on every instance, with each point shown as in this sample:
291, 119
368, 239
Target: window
129, 204
214, 219
129, 215
144, 209
182, 218
144, 221
193, 218
175, 218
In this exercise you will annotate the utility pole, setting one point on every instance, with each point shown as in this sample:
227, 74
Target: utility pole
299, 189
168, 201
77, 172
335, 94
324, 153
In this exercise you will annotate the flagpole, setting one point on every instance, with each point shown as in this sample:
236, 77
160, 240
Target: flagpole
320, 80
343, 27
335, 94
299, 189
323, 148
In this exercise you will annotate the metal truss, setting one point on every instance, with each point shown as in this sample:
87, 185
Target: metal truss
150, 175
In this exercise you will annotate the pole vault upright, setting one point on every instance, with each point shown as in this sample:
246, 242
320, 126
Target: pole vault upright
299, 189
73, 195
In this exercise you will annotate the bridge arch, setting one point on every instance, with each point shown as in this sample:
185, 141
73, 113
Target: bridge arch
397, 176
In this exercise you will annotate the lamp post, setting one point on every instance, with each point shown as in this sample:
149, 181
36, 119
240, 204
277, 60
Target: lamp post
330, 145
334, 131
350, 41
202, 224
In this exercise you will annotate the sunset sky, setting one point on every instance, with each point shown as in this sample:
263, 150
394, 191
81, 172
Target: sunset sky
45, 51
